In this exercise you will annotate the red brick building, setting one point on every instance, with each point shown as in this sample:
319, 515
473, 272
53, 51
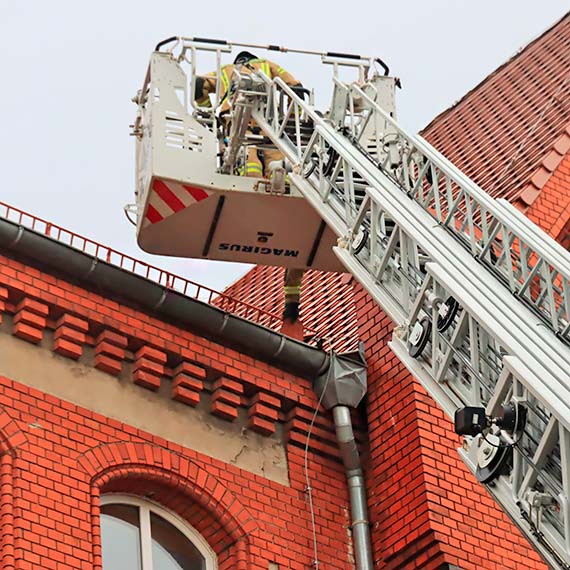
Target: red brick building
101, 399
141, 428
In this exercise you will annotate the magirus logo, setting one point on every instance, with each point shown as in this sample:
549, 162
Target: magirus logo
258, 249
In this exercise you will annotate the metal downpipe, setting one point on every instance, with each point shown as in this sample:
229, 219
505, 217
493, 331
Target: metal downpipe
356, 487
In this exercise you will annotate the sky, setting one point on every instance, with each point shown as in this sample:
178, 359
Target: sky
70, 68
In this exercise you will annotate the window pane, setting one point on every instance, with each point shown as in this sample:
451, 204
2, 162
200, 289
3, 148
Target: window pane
120, 537
171, 550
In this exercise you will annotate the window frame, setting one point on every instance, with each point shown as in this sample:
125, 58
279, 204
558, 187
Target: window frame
146, 506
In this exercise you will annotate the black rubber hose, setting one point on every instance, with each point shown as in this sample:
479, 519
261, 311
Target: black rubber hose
210, 41
344, 55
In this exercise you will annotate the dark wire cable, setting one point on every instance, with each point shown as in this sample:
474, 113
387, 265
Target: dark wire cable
308, 487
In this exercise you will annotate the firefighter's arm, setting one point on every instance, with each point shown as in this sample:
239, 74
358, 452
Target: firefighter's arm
278, 71
204, 85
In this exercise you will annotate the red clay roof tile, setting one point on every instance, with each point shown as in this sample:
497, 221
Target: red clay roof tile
499, 133
327, 303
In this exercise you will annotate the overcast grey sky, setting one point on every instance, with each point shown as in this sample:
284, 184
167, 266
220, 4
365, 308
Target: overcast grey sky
70, 68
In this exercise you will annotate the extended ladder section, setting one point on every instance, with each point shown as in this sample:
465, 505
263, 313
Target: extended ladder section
479, 295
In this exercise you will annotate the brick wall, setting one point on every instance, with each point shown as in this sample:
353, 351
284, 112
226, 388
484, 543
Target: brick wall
551, 210
426, 508
57, 458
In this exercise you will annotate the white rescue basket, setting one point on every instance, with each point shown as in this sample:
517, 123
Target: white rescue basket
187, 208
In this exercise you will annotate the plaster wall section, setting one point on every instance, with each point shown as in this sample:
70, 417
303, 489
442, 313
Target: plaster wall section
120, 399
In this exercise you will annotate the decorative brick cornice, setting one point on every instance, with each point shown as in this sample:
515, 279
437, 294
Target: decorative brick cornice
263, 413
110, 351
70, 336
30, 320
187, 383
148, 367
228, 384
226, 398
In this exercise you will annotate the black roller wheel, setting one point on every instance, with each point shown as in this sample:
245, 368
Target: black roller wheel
419, 337
331, 162
360, 241
446, 313
493, 459
310, 166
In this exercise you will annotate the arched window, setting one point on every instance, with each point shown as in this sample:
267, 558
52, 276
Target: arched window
138, 535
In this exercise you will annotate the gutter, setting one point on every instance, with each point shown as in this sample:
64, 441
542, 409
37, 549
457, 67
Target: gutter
356, 487
201, 318
342, 388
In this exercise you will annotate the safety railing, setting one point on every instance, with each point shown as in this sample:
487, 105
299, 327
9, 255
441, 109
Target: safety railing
165, 278
532, 266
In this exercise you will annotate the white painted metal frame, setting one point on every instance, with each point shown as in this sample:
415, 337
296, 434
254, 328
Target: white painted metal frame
145, 508
185, 135
173, 139
433, 234
530, 263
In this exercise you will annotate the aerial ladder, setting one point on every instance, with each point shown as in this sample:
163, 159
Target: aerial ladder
479, 295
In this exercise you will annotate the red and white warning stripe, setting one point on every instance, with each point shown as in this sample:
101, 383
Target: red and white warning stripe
167, 198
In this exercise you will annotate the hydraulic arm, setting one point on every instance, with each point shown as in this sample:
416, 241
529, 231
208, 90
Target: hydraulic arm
479, 295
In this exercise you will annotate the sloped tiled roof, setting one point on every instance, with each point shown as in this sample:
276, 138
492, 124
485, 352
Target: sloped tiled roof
509, 134
327, 304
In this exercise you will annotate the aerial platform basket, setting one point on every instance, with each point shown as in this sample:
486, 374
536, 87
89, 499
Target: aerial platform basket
187, 208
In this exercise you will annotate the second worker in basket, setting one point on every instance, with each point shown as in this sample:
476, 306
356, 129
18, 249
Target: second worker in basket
257, 160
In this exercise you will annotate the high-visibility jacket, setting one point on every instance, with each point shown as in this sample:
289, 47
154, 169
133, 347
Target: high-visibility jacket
292, 285
292, 289
269, 68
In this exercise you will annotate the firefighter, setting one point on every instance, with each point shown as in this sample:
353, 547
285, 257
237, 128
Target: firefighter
257, 165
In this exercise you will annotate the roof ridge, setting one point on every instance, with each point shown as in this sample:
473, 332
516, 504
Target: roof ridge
491, 75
